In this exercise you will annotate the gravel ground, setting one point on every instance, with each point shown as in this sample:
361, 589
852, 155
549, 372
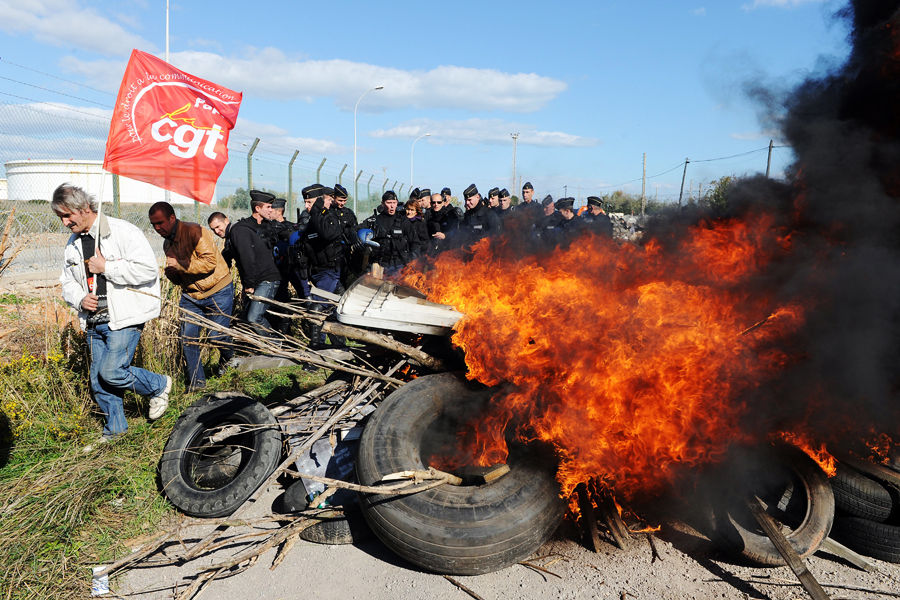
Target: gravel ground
688, 568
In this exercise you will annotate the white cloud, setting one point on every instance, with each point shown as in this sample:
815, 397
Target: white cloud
482, 131
778, 3
65, 23
278, 140
268, 73
699, 12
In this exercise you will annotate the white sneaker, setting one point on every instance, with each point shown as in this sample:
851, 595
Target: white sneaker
160, 402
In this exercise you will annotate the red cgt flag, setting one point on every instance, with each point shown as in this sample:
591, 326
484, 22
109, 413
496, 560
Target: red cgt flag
170, 128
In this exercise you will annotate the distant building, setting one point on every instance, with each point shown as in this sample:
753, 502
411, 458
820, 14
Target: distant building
36, 179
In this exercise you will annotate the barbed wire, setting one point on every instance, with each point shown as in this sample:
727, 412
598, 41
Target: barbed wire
33, 70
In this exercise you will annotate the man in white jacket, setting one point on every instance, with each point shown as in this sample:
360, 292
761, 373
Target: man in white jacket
111, 278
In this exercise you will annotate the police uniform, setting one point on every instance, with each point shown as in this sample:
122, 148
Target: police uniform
600, 224
393, 234
478, 221
322, 244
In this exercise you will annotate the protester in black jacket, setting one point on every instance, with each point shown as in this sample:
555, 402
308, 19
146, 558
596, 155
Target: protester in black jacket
419, 238
444, 222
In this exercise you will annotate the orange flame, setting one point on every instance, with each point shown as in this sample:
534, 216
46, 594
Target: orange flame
628, 359
819, 454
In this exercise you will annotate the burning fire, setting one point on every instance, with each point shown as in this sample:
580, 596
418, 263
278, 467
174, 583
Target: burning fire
629, 359
819, 454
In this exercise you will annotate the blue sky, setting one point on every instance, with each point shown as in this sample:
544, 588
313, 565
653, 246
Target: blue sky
589, 86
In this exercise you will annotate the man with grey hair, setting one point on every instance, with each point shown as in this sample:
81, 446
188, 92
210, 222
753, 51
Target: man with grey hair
111, 278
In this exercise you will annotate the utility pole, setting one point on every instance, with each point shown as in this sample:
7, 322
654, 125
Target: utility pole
515, 138
683, 175
644, 185
769, 159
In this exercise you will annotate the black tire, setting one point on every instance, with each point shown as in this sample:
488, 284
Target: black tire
337, 527
212, 479
857, 495
464, 530
877, 540
798, 495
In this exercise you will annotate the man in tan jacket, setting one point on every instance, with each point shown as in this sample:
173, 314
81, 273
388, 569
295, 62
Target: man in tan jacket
195, 264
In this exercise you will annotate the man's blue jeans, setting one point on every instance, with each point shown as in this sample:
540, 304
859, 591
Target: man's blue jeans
326, 280
111, 372
256, 312
216, 308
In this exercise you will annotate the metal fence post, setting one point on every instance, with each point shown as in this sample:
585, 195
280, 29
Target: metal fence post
290, 193
319, 170
116, 206
400, 191
368, 187
341, 175
383, 186
250, 164
356, 191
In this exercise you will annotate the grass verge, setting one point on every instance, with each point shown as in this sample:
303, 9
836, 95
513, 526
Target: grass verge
64, 510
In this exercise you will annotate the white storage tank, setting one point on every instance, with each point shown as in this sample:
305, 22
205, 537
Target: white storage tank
36, 179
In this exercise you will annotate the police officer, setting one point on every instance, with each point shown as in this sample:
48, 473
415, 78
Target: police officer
392, 231
529, 206
545, 227
322, 241
504, 210
479, 220
595, 217
494, 199
254, 258
350, 243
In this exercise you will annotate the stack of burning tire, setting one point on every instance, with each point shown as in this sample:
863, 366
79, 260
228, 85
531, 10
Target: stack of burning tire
867, 499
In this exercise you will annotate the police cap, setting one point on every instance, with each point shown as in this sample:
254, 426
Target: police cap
594, 201
424, 192
415, 194
494, 192
278, 203
388, 195
565, 204
340, 191
547, 201
470, 191
259, 196
446, 192
312, 191
504, 193
527, 186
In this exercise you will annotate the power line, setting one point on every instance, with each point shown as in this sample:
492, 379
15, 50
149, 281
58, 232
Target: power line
59, 106
52, 91
56, 77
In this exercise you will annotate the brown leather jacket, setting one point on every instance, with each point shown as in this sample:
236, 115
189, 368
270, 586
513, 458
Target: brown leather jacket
200, 269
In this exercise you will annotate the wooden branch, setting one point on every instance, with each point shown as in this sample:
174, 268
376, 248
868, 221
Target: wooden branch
610, 513
462, 587
384, 341
773, 531
857, 560
588, 519
653, 549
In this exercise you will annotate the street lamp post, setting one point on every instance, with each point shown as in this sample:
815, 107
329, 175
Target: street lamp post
411, 155
356, 185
